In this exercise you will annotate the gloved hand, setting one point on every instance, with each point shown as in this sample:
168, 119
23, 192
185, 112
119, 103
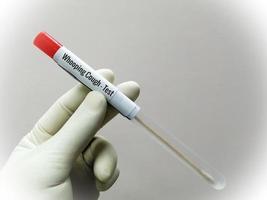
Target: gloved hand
60, 152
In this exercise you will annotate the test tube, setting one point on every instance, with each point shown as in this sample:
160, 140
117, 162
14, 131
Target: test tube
182, 152
93, 80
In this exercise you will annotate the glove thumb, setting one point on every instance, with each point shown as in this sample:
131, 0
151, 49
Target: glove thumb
80, 129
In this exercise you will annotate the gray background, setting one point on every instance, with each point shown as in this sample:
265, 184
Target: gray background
207, 58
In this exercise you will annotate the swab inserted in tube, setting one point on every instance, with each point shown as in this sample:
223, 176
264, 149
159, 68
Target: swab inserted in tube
90, 78
182, 152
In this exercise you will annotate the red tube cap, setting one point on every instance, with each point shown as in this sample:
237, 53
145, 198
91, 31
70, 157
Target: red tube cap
47, 43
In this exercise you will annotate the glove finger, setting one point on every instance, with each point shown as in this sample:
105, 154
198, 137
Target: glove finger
81, 127
105, 186
107, 179
131, 89
61, 110
102, 157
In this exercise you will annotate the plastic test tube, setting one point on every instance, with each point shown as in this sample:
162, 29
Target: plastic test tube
93, 80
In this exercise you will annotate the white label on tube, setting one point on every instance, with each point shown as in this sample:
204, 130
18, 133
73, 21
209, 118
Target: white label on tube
89, 77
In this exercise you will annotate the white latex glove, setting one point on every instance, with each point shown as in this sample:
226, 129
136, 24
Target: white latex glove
56, 157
